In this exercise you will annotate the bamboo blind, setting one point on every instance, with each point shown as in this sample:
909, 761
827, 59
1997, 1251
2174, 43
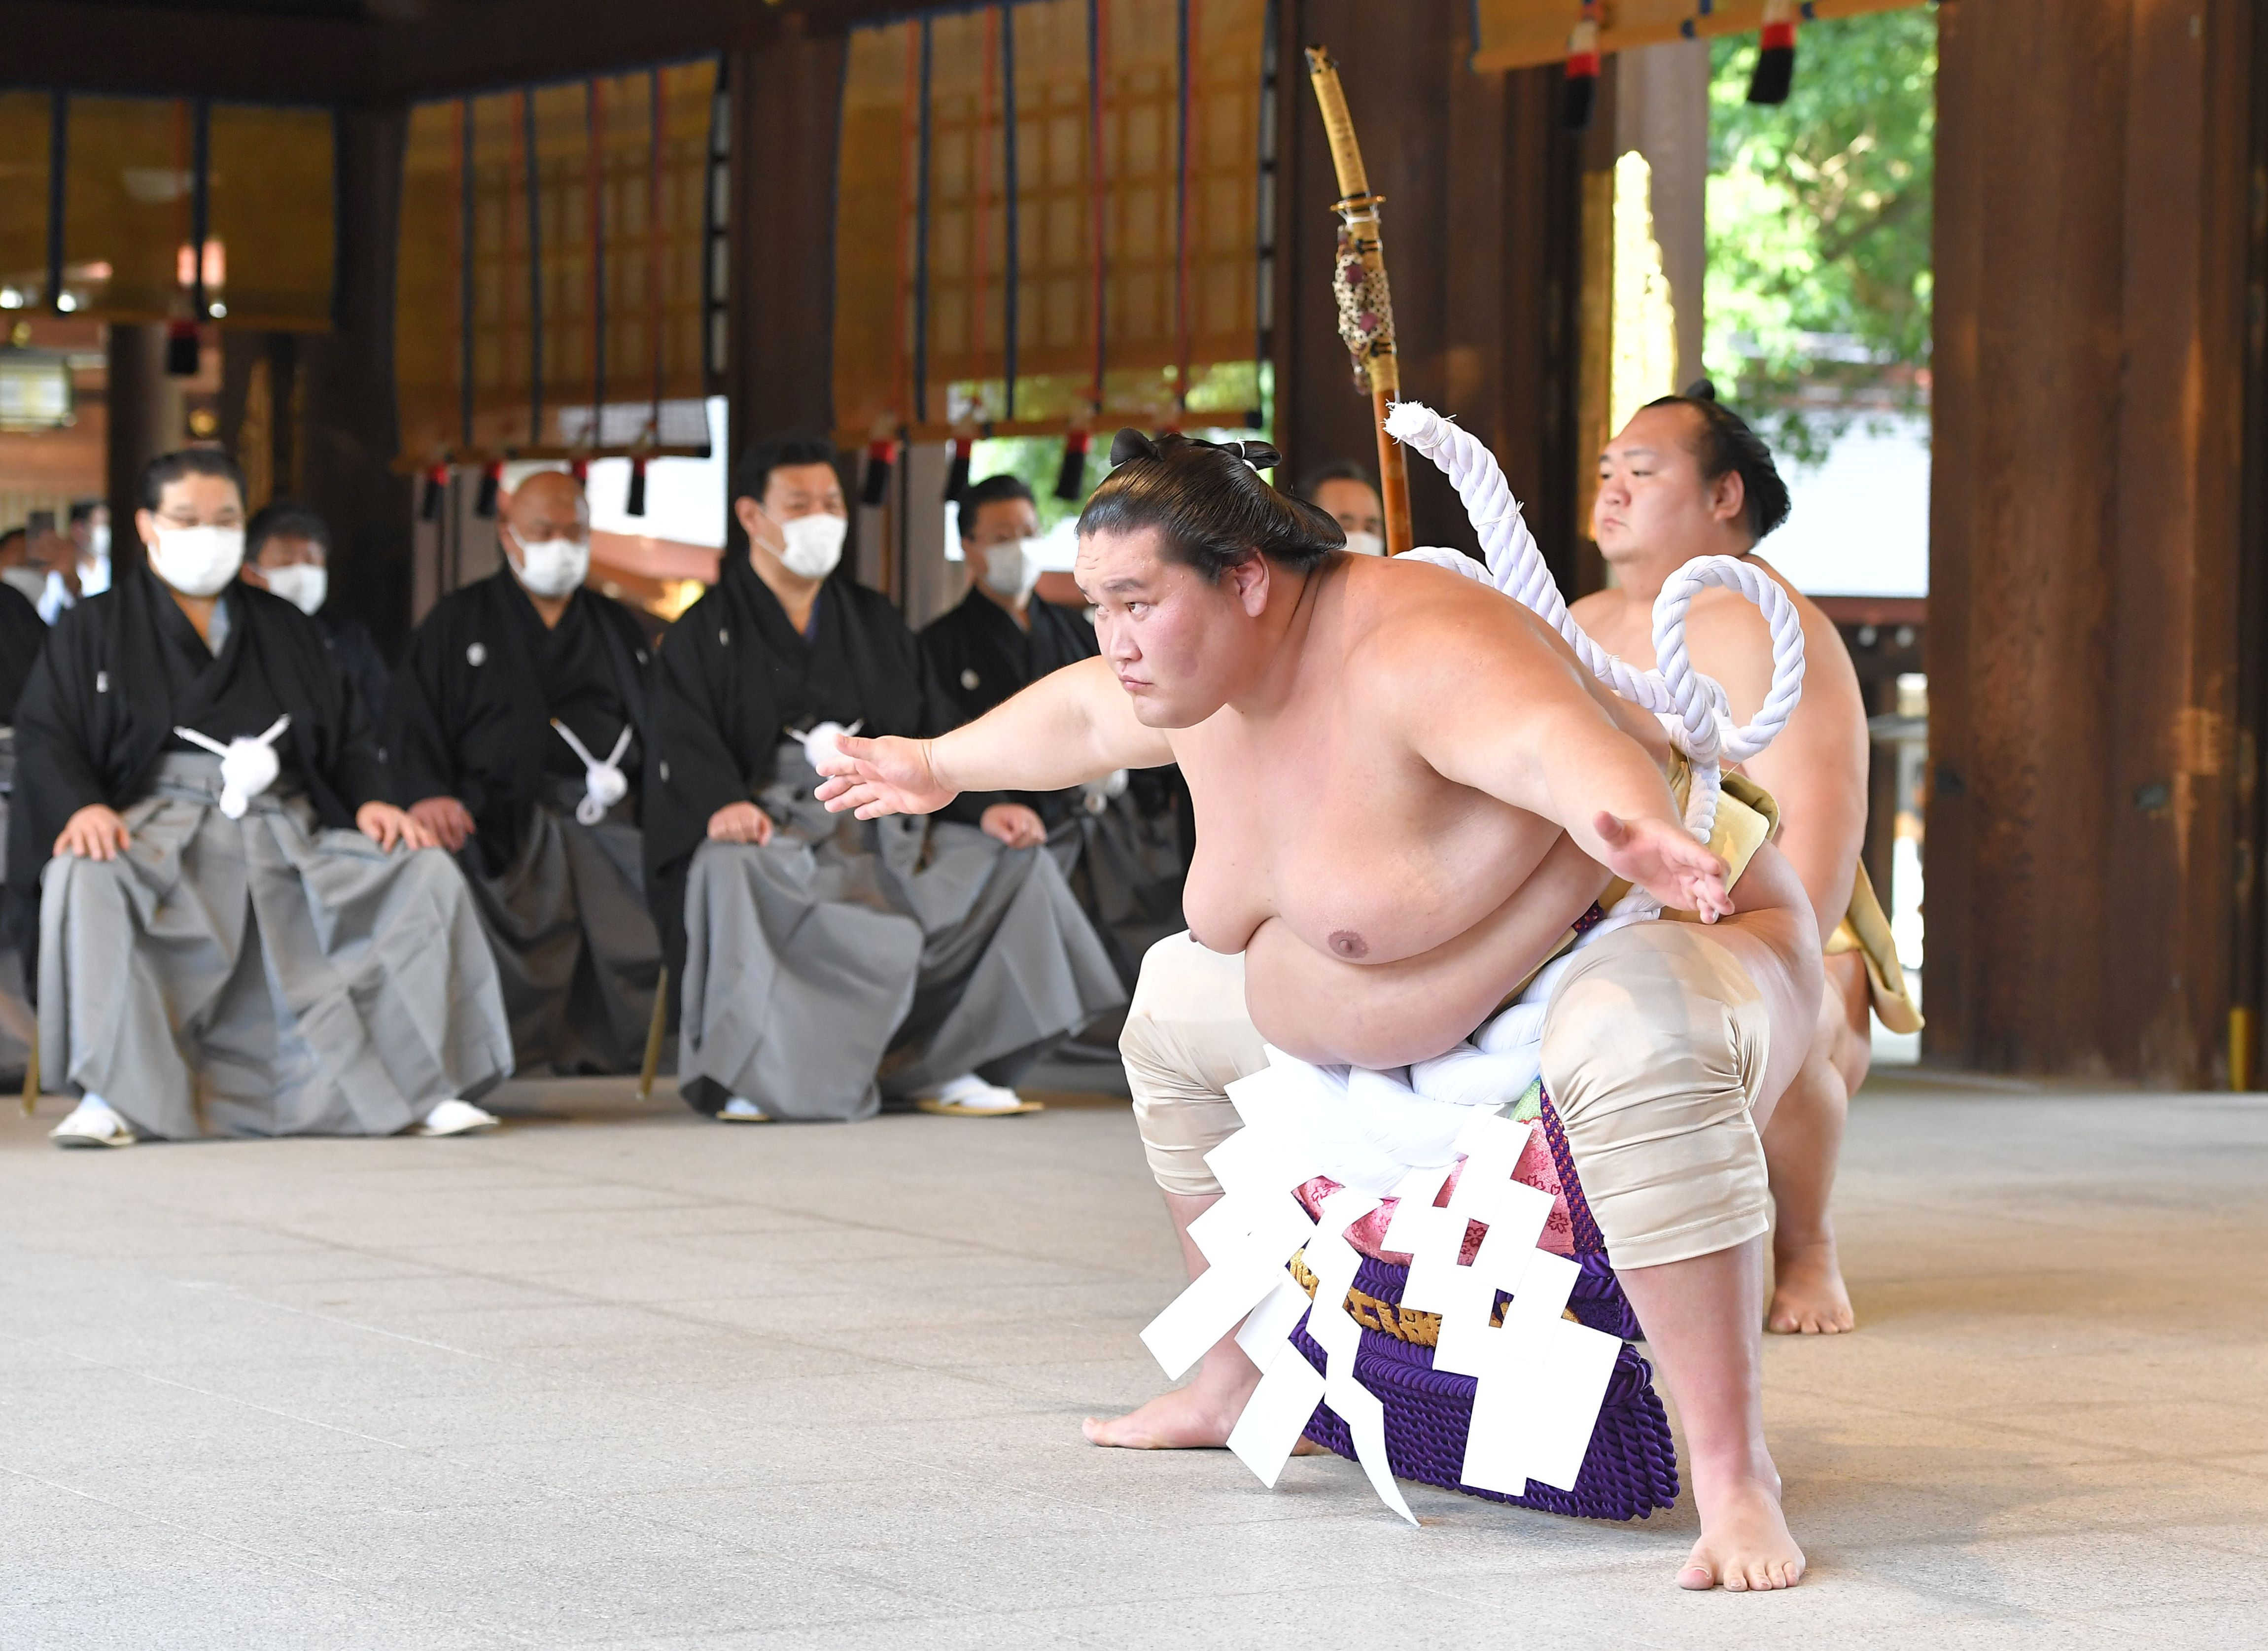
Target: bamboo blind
989, 270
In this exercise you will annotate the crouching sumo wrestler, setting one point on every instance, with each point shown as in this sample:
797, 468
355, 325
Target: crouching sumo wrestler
1407, 789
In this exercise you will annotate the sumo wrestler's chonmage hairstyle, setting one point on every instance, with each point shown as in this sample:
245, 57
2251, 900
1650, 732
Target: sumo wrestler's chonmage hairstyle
1726, 444
1209, 503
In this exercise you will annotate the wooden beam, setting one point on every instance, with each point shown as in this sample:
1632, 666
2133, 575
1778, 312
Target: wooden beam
150, 51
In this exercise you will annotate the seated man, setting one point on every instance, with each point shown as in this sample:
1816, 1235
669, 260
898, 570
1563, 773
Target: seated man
26, 567
22, 635
1343, 491
516, 740
1687, 478
1463, 790
238, 934
287, 549
1119, 841
823, 964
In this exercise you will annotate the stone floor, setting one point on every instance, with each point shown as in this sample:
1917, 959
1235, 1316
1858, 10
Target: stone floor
622, 1377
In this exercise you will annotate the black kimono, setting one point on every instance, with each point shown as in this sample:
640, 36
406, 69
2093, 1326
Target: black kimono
355, 650
22, 635
847, 958
263, 971
1125, 849
557, 874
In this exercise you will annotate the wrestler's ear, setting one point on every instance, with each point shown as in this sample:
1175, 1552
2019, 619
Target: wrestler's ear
1248, 581
1728, 497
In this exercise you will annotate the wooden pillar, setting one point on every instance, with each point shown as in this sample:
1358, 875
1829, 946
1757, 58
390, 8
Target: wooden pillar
787, 101
1479, 215
144, 413
2085, 535
343, 416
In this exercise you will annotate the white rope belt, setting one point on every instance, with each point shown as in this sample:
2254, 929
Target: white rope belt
247, 766
604, 784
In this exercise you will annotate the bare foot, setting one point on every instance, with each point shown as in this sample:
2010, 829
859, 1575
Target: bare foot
1807, 1295
1745, 1546
1183, 1420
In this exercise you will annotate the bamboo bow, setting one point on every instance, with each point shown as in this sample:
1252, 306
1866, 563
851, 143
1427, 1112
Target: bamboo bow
1366, 307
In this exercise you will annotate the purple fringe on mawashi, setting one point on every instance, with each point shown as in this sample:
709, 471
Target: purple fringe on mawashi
1630, 1469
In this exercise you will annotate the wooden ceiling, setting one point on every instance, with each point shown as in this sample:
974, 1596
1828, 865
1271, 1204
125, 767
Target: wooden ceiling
377, 51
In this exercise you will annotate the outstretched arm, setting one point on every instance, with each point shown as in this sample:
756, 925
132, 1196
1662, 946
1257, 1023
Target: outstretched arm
1075, 724
1493, 701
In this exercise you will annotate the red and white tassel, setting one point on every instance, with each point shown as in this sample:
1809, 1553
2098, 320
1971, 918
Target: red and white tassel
1579, 94
1775, 75
1071, 479
874, 489
956, 474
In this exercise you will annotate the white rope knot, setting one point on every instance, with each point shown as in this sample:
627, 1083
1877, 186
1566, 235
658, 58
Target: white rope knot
604, 784
824, 743
247, 766
1692, 707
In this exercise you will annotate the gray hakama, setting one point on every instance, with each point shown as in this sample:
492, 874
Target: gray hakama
849, 960
263, 976
575, 949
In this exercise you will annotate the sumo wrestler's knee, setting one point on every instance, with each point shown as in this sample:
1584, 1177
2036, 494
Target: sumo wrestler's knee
1654, 1047
1187, 1039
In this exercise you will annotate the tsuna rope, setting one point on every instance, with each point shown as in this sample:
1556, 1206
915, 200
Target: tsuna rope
1692, 706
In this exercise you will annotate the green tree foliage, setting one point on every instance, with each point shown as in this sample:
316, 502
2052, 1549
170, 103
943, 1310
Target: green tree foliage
1819, 278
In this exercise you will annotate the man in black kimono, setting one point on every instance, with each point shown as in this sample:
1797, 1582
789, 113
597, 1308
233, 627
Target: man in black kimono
22, 635
238, 934
1342, 491
517, 740
1120, 841
826, 964
287, 549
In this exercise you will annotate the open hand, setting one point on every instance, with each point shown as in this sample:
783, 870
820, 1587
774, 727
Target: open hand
740, 822
1013, 824
873, 777
447, 821
387, 825
1664, 860
94, 833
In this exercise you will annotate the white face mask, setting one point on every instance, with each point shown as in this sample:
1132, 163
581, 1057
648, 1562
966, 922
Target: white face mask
1365, 544
305, 584
553, 567
814, 544
197, 561
1011, 569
